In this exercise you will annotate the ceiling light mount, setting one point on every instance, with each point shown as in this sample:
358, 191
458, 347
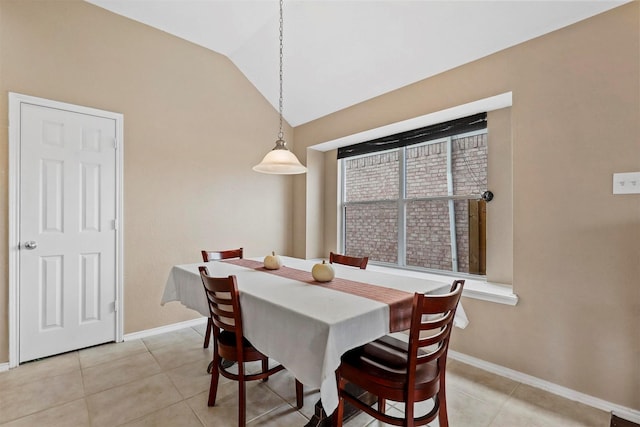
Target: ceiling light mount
280, 160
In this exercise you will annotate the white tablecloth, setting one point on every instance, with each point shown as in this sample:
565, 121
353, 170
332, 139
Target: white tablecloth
306, 328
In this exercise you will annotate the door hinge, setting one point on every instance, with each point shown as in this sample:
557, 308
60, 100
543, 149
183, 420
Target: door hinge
114, 224
115, 306
115, 143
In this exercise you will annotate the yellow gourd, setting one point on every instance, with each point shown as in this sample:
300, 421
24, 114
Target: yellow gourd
323, 272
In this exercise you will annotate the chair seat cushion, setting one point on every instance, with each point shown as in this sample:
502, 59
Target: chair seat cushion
382, 364
228, 350
229, 338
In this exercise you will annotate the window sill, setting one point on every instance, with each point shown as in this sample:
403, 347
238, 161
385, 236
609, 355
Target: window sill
473, 288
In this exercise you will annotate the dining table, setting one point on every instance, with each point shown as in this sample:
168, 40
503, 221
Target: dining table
307, 325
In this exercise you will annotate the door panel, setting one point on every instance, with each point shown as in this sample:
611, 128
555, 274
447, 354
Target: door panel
50, 292
68, 208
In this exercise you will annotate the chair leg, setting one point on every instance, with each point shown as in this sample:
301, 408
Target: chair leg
265, 368
299, 395
215, 376
339, 412
207, 335
409, 412
242, 395
382, 404
441, 401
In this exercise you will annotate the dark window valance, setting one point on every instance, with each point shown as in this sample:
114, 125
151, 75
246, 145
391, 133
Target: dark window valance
416, 136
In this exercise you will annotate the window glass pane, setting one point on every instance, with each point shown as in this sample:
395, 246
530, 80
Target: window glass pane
426, 170
372, 177
469, 163
428, 237
462, 233
427, 167
372, 230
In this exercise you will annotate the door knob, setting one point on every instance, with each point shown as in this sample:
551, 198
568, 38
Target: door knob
30, 245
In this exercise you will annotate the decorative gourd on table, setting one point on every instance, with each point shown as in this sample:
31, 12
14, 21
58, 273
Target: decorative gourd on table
272, 262
323, 272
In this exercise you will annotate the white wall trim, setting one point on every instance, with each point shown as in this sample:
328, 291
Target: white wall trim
473, 288
164, 329
492, 292
146, 333
15, 99
621, 411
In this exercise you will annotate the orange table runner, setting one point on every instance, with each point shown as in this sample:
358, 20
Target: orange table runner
399, 302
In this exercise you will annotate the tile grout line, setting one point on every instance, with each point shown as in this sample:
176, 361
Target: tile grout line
84, 390
134, 354
502, 405
184, 399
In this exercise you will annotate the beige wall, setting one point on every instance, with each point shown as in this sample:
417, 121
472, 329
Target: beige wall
193, 127
575, 252
500, 209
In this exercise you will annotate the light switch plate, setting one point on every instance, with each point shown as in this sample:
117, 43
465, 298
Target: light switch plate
626, 183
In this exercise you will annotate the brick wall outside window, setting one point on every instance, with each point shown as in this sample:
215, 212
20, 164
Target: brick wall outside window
372, 229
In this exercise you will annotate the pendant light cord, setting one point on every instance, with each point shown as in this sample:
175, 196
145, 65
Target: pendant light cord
280, 134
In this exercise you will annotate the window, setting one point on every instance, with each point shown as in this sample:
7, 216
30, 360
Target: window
418, 204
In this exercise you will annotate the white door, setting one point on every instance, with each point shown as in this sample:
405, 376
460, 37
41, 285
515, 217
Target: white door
67, 250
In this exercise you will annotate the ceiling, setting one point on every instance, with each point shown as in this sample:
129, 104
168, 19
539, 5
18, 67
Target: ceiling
338, 53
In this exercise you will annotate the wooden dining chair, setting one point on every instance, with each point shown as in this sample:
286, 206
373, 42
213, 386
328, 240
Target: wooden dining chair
360, 262
215, 256
229, 342
400, 371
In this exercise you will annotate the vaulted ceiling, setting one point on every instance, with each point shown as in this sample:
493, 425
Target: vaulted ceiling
342, 52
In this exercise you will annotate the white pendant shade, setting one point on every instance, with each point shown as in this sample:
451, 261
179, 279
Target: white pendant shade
280, 162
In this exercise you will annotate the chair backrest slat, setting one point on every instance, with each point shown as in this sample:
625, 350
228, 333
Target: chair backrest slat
433, 339
431, 323
360, 262
218, 255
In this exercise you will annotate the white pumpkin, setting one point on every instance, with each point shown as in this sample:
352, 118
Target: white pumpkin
272, 262
323, 272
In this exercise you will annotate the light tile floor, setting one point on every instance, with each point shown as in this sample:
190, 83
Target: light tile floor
162, 381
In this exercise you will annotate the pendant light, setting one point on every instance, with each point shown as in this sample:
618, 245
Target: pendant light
280, 160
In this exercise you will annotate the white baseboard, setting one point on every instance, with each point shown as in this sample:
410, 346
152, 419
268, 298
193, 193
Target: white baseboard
147, 333
620, 411
164, 329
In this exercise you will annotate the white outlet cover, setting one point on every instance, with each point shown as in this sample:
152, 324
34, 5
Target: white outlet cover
626, 183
